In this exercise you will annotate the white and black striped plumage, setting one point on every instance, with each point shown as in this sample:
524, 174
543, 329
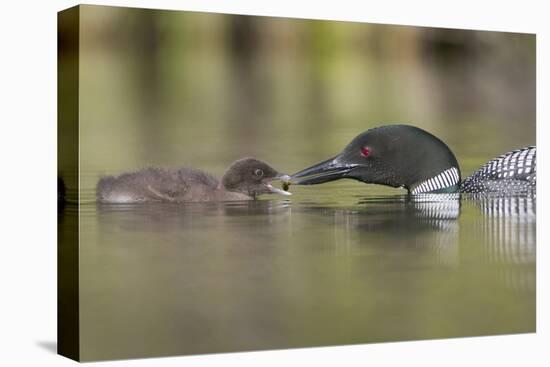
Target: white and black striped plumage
446, 181
512, 172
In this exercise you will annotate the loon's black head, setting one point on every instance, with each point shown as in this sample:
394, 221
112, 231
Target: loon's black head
394, 155
252, 177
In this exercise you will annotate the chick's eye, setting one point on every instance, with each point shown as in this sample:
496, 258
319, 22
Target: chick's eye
259, 172
365, 152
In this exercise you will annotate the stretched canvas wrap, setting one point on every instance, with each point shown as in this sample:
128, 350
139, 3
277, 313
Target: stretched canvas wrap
378, 243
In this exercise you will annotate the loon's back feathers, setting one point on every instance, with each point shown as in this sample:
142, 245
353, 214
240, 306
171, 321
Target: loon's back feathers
512, 172
155, 184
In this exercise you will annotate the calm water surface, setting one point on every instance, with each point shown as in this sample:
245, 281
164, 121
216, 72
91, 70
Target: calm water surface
328, 266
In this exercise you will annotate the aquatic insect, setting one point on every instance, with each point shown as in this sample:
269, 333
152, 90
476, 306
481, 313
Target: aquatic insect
286, 184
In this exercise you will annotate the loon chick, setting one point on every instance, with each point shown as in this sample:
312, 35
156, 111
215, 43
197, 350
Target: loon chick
411, 158
245, 179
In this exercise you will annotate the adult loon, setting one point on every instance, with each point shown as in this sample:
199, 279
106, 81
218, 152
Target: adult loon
245, 179
409, 157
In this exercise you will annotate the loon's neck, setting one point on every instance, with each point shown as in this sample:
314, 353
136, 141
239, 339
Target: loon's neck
446, 181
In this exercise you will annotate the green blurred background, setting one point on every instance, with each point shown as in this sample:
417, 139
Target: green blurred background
186, 88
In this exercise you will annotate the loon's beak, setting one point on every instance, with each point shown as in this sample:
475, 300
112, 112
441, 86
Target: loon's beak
329, 170
280, 177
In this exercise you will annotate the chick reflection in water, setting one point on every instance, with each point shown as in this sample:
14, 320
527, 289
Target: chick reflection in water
245, 179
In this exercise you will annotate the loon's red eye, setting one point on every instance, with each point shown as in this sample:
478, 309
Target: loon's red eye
365, 152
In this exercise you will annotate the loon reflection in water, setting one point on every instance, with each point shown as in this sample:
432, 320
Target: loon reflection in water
425, 225
507, 223
506, 228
